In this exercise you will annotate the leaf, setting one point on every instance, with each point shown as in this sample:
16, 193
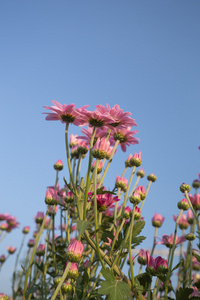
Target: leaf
176, 267
196, 256
137, 227
137, 240
143, 281
183, 294
82, 225
116, 289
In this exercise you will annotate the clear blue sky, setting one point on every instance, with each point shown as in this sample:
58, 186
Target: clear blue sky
142, 55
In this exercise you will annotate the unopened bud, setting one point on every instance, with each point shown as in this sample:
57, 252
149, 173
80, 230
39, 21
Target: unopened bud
190, 236
66, 288
185, 188
58, 166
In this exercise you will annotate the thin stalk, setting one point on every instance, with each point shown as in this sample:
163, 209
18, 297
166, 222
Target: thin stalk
108, 164
154, 240
88, 173
96, 214
129, 247
61, 281
172, 255
33, 254
147, 190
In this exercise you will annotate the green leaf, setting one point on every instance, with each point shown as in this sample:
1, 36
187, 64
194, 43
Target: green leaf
183, 294
196, 256
176, 267
116, 289
137, 240
137, 228
82, 225
143, 281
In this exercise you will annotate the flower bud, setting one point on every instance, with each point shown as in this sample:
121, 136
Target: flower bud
66, 288
136, 160
57, 281
58, 166
140, 173
11, 249
3, 296
157, 220
142, 258
135, 198
73, 271
152, 177
190, 236
196, 184
121, 183
26, 229
75, 251
183, 204
31, 243
2, 258
40, 250
185, 188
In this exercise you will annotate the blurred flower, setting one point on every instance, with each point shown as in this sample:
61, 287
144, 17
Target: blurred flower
183, 223
31, 243
58, 166
3, 296
190, 217
133, 260
195, 200
141, 173
51, 197
26, 229
142, 257
39, 217
183, 204
2, 258
167, 240
73, 270
11, 249
99, 168
40, 251
152, 177
157, 265
157, 220
95, 118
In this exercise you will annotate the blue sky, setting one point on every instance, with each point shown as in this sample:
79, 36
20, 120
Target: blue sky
142, 55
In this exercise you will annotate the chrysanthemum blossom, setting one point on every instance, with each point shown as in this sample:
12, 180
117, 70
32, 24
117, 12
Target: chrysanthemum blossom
124, 136
157, 265
95, 118
40, 251
39, 217
195, 200
51, 197
65, 113
121, 119
99, 167
183, 223
100, 133
190, 217
58, 166
73, 270
101, 148
141, 190
137, 214
75, 251
157, 220
127, 211
167, 240
183, 204
11, 249
26, 229
136, 159
2, 258
121, 183
73, 140
3, 296
31, 243
105, 200
135, 198
142, 257
141, 173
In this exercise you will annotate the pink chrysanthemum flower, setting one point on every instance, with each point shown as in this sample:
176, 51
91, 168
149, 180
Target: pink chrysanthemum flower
40, 251
142, 257
167, 240
141, 190
127, 211
190, 217
73, 270
133, 260
11, 249
101, 148
39, 217
2, 258
183, 223
106, 200
157, 265
95, 118
4, 226
124, 136
121, 183
99, 167
137, 214
58, 166
65, 113
157, 220
121, 119
73, 140
75, 251
26, 229
51, 197
31, 243
195, 200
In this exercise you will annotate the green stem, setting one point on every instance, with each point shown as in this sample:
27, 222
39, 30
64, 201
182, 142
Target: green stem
147, 190
88, 173
129, 248
33, 254
61, 281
